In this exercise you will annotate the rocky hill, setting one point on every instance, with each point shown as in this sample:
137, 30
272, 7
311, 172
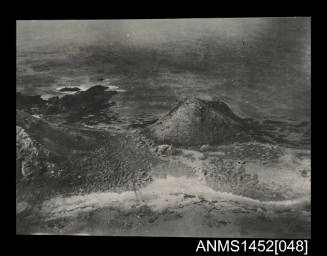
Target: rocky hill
195, 121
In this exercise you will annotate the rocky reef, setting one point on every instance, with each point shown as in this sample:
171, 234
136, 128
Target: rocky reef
33, 104
73, 107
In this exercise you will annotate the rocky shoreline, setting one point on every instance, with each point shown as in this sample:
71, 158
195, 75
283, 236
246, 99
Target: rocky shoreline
58, 156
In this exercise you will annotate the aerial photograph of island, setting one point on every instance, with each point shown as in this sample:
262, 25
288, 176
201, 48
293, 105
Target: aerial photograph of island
188, 127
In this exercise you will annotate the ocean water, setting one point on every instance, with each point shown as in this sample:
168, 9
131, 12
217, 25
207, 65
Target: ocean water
260, 67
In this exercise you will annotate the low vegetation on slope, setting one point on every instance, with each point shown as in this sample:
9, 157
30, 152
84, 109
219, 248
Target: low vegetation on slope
74, 160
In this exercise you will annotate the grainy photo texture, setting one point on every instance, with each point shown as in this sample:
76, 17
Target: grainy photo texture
164, 127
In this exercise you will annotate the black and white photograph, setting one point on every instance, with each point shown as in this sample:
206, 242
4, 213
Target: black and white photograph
176, 127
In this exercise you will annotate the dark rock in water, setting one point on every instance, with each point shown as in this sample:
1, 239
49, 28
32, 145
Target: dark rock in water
96, 89
88, 102
82, 103
194, 121
94, 96
73, 107
70, 89
28, 102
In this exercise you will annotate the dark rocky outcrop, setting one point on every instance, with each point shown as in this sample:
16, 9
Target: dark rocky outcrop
28, 102
73, 107
194, 121
69, 89
84, 102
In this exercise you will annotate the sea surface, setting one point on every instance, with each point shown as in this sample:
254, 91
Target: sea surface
261, 69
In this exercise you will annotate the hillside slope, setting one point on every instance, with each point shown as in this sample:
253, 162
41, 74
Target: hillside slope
194, 121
